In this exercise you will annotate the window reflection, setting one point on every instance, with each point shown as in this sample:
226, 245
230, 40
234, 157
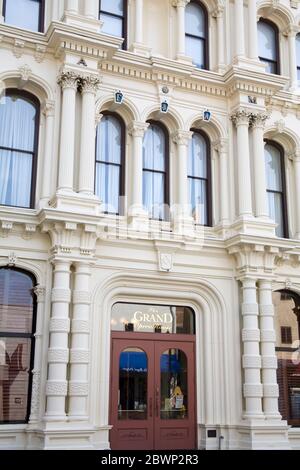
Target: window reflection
174, 399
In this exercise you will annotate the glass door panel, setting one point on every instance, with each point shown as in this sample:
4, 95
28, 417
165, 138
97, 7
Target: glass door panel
173, 385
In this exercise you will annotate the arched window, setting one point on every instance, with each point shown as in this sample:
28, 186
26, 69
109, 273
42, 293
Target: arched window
110, 162
155, 170
275, 178
113, 13
268, 45
287, 326
298, 57
196, 34
26, 14
19, 121
17, 328
199, 176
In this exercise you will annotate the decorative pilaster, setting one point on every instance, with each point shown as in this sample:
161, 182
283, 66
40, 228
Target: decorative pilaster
221, 148
252, 388
58, 354
138, 46
39, 292
219, 15
80, 349
91, 9
241, 119
69, 84
260, 187
291, 34
48, 112
88, 87
269, 359
180, 5
72, 6
252, 30
239, 29
296, 161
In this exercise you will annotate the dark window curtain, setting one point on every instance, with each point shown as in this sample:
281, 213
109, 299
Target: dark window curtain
17, 325
155, 172
18, 119
268, 45
198, 176
27, 14
196, 31
275, 187
109, 163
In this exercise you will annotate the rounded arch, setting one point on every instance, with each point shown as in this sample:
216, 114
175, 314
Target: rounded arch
127, 110
213, 129
280, 15
26, 266
287, 138
209, 5
31, 83
172, 120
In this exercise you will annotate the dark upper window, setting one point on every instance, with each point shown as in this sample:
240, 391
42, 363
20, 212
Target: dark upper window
268, 45
298, 56
17, 327
26, 14
156, 171
286, 335
19, 120
275, 178
199, 173
110, 162
196, 34
113, 13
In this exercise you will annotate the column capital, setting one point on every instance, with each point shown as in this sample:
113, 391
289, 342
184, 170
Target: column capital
295, 155
138, 129
259, 120
40, 292
68, 79
180, 3
48, 108
182, 137
90, 84
291, 30
219, 10
221, 146
241, 117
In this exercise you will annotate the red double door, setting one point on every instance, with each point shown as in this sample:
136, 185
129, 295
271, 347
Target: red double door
152, 392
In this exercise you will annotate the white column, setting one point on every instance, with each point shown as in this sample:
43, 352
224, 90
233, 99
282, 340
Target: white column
182, 139
180, 5
89, 87
139, 17
260, 185
239, 28
253, 390
55, 10
80, 348
38, 354
58, 353
91, 9
72, 6
269, 359
222, 149
219, 15
296, 160
48, 153
252, 30
292, 57
137, 131
241, 119
69, 84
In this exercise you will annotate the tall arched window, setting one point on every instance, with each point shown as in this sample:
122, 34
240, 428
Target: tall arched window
19, 121
287, 327
199, 176
196, 33
113, 13
275, 177
268, 45
156, 171
26, 14
298, 57
17, 328
110, 162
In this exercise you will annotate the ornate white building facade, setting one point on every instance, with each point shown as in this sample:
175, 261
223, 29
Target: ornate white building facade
104, 108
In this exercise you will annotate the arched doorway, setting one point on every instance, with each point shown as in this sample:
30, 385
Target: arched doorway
152, 403
287, 325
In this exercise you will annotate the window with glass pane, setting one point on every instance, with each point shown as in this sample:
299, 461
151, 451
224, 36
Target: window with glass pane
196, 34
109, 163
155, 163
18, 148
17, 324
298, 57
113, 15
268, 45
198, 176
133, 376
173, 385
275, 188
26, 14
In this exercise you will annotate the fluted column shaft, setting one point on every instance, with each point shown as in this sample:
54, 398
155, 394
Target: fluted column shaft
58, 354
269, 359
253, 391
260, 185
89, 87
252, 30
69, 84
48, 152
239, 28
137, 131
80, 349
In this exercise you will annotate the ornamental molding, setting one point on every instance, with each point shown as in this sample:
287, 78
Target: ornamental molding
40, 293
57, 388
258, 120
59, 325
221, 146
138, 129
181, 137
241, 117
90, 84
254, 260
35, 395
68, 79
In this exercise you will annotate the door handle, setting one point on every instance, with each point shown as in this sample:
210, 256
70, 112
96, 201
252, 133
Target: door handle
151, 407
